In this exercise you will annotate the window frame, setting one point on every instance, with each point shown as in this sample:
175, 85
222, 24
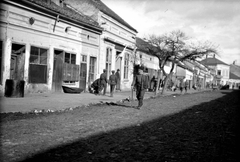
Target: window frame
108, 65
126, 65
31, 79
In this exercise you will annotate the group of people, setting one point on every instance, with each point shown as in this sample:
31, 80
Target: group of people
100, 85
139, 84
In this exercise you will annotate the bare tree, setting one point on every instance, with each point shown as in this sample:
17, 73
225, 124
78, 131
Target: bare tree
174, 47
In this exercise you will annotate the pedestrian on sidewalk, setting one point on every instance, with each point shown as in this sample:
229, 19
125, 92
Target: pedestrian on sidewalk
118, 86
103, 80
181, 86
96, 86
140, 83
186, 86
112, 82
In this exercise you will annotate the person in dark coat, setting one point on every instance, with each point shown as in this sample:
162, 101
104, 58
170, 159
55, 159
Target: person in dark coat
181, 86
118, 86
140, 83
112, 82
103, 80
96, 85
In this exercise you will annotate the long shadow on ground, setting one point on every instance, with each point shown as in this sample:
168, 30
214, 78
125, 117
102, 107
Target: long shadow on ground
203, 133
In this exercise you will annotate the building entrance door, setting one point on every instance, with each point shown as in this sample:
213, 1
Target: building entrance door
17, 62
83, 75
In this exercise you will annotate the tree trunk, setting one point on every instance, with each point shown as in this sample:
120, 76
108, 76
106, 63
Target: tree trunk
158, 81
166, 81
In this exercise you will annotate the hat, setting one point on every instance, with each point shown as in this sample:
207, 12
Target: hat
140, 68
118, 69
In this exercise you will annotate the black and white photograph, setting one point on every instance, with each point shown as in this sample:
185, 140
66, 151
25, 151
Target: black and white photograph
119, 80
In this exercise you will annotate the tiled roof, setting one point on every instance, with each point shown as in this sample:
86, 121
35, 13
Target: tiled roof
212, 61
65, 11
142, 46
234, 69
105, 9
233, 76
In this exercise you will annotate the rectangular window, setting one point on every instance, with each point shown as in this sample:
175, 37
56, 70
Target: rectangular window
84, 58
38, 65
70, 58
92, 69
126, 66
70, 69
108, 61
219, 72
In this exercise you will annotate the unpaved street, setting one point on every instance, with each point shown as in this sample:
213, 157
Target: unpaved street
191, 127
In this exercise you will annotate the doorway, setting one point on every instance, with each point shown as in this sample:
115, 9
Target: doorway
17, 62
83, 72
83, 75
57, 71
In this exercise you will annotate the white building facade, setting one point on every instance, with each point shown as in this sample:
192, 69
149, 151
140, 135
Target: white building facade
46, 48
116, 36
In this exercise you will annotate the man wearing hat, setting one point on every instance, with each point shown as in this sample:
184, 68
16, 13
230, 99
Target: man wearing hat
140, 83
103, 81
118, 86
112, 82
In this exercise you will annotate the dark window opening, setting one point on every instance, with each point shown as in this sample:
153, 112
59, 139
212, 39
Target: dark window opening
38, 65
70, 58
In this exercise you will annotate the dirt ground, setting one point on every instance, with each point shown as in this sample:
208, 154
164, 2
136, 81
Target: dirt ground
192, 127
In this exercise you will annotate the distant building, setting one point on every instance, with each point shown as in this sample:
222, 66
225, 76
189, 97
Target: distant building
222, 70
234, 79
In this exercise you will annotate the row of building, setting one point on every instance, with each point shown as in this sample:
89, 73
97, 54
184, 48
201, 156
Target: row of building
51, 43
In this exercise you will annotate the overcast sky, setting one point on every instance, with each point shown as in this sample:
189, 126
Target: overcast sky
217, 21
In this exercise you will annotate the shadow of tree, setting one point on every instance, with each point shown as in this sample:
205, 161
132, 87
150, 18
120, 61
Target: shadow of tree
202, 133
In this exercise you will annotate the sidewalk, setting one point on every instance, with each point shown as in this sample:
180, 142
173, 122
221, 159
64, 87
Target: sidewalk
57, 102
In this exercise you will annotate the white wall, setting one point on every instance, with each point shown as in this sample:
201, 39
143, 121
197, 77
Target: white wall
77, 40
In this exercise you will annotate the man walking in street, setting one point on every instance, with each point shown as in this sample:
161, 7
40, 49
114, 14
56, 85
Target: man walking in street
112, 82
103, 81
140, 83
186, 85
118, 86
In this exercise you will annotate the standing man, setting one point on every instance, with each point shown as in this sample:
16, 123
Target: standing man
118, 87
103, 81
186, 85
112, 82
181, 85
140, 83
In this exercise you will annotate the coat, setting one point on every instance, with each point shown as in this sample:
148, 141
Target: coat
103, 78
140, 81
113, 79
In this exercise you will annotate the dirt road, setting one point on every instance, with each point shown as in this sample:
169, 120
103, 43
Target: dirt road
192, 127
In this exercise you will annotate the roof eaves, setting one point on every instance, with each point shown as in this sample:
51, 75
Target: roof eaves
68, 14
106, 10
